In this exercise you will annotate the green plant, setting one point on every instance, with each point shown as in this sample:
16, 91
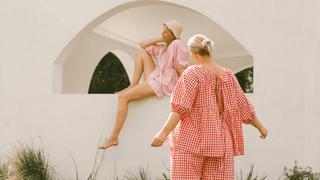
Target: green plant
250, 175
4, 171
96, 167
164, 175
29, 162
299, 173
142, 173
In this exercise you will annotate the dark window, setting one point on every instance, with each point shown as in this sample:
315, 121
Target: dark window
245, 78
109, 76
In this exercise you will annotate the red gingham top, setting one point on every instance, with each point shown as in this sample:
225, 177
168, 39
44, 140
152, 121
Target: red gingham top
200, 128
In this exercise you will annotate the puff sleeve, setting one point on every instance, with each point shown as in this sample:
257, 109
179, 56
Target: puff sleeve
181, 56
154, 50
184, 94
246, 109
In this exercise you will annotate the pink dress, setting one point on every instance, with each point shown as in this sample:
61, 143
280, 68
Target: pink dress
165, 76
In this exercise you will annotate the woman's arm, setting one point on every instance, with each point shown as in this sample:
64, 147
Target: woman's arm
171, 123
257, 124
148, 42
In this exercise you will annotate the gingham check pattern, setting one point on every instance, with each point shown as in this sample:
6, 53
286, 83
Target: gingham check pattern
199, 130
188, 166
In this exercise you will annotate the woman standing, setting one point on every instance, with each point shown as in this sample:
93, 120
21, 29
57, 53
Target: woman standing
173, 60
211, 106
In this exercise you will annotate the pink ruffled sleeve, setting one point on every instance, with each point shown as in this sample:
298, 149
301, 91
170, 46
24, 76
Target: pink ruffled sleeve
184, 93
154, 50
246, 109
181, 56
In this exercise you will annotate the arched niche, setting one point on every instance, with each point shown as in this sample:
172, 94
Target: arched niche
127, 24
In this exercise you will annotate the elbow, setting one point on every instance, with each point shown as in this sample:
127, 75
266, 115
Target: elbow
142, 45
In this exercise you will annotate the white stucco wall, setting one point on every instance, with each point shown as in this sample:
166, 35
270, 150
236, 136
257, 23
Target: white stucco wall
282, 36
236, 64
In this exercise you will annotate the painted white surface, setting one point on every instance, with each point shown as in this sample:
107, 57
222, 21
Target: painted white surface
146, 21
282, 36
236, 64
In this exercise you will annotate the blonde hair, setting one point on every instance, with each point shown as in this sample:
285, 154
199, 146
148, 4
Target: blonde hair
201, 45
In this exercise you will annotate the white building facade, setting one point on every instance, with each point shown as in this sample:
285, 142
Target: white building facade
44, 51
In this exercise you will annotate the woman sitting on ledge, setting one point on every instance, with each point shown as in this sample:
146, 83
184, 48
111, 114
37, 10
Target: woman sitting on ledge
173, 60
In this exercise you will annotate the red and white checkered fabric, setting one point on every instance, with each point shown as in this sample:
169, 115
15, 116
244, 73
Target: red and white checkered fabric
187, 166
200, 129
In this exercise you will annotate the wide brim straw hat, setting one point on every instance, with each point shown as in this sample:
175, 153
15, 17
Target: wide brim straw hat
175, 27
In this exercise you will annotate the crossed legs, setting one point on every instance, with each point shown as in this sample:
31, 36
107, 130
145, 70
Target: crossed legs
144, 63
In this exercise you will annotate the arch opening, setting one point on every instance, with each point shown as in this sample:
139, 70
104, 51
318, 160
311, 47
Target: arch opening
109, 76
124, 26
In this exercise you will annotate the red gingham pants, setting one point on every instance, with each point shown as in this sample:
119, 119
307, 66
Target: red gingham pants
187, 166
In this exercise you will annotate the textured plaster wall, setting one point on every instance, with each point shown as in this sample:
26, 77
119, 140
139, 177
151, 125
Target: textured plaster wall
282, 36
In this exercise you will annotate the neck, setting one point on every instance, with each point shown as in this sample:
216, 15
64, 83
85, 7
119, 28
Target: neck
167, 45
169, 42
212, 66
208, 60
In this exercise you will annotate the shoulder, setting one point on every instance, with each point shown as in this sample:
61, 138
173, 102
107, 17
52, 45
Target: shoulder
228, 72
191, 69
178, 43
189, 77
230, 77
191, 72
154, 47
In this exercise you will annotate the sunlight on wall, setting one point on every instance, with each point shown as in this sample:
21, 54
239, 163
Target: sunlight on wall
126, 60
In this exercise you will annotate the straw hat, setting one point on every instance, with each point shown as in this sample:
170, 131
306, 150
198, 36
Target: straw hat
175, 27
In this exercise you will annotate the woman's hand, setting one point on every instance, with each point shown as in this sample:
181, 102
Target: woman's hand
257, 124
264, 132
173, 120
159, 139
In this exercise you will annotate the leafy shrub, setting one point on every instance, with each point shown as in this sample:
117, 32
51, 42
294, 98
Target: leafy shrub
28, 162
4, 171
250, 175
141, 174
299, 173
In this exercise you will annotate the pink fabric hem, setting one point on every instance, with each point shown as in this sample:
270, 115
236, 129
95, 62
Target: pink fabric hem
156, 88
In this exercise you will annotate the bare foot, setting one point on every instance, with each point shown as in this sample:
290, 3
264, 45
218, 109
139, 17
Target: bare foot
110, 142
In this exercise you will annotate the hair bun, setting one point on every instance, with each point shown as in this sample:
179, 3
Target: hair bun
200, 44
207, 44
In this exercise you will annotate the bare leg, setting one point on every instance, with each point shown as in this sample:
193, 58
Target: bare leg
144, 63
137, 92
